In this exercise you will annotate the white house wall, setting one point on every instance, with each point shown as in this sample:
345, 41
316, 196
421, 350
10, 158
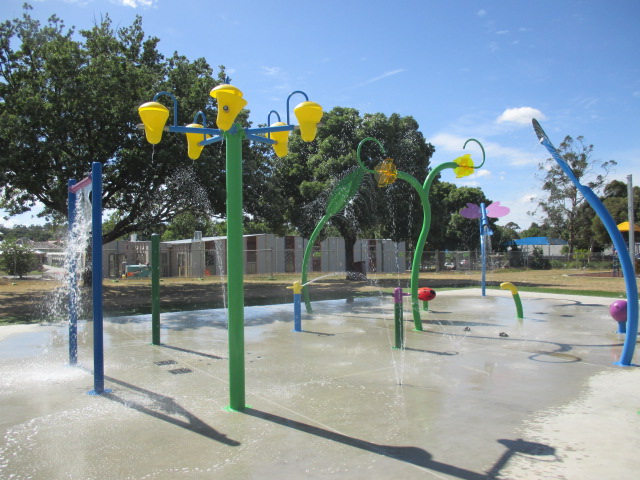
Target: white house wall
270, 255
333, 255
217, 251
300, 244
394, 256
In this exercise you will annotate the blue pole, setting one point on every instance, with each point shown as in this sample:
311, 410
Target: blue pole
73, 281
627, 268
297, 306
96, 255
483, 247
297, 312
622, 327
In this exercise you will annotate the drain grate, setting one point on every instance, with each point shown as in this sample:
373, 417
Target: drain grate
180, 371
165, 362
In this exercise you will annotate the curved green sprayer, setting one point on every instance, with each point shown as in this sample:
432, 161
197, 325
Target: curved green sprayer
343, 192
386, 173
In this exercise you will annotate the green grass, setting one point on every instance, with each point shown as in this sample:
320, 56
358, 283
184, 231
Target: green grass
559, 291
568, 291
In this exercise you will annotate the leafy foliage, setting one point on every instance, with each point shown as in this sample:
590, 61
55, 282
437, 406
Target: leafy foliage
311, 171
563, 201
37, 233
615, 199
68, 99
16, 259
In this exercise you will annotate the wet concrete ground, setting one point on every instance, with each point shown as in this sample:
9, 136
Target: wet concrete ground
477, 395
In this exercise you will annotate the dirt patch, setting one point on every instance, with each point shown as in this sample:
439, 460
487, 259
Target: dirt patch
28, 301
597, 274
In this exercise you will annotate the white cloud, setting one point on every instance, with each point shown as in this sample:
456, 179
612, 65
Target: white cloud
271, 70
481, 13
446, 142
521, 115
528, 198
134, 3
380, 77
28, 218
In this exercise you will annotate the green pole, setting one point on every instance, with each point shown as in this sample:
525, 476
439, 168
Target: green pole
398, 317
155, 289
235, 267
518, 302
398, 321
516, 297
423, 192
305, 261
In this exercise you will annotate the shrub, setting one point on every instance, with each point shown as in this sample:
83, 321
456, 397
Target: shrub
17, 259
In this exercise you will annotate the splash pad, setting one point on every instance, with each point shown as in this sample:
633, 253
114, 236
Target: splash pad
334, 399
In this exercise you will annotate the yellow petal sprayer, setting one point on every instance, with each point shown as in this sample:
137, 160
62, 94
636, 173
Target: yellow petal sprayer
230, 102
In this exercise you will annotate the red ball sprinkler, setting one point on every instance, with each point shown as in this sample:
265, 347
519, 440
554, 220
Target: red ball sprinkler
426, 295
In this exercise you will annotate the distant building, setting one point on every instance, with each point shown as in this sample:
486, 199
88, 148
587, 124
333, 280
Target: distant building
50, 253
263, 254
551, 247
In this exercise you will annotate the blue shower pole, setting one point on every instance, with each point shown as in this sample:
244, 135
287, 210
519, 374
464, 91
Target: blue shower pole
73, 281
484, 225
96, 256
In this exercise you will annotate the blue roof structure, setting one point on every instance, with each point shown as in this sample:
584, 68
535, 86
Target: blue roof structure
537, 241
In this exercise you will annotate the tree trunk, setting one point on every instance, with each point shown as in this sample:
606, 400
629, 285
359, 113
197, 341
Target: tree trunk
355, 272
87, 271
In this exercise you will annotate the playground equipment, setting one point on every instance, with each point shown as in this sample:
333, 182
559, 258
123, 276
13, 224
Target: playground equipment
154, 115
426, 294
95, 180
516, 298
155, 289
618, 311
297, 306
137, 271
386, 173
474, 211
398, 320
618, 242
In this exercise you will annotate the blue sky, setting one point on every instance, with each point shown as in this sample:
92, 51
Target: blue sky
462, 69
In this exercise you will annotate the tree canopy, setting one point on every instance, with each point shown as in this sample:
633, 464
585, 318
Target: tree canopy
68, 99
561, 207
308, 175
17, 259
615, 199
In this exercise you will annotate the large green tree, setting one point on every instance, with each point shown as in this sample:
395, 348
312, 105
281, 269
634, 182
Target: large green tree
560, 207
17, 259
69, 98
615, 199
306, 177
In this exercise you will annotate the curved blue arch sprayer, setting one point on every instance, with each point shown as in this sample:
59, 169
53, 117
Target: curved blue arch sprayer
625, 262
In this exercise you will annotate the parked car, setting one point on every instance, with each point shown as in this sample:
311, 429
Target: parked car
449, 265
